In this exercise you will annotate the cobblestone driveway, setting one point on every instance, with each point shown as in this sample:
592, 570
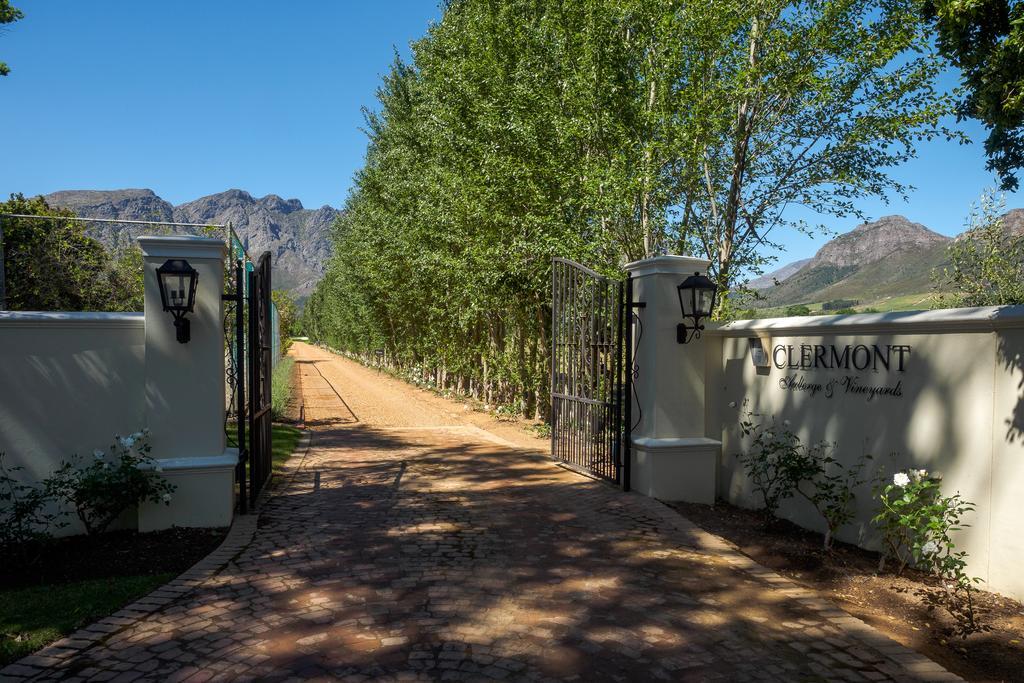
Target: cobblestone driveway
433, 552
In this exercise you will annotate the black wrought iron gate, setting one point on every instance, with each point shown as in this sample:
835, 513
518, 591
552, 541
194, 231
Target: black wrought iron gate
249, 346
588, 379
260, 371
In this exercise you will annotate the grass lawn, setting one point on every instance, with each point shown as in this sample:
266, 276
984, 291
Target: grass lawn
72, 581
33, 617
284, 440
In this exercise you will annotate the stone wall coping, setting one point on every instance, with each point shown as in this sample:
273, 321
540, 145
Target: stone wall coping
951, 320
52, 319
210, 462
182, 246
668, 264
649, 443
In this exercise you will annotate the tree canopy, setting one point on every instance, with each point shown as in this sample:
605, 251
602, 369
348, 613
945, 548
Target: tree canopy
986, 262
605, 131
52, 265
8, 15
985, 40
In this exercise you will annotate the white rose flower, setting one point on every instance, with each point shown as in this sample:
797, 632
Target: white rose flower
930, 548
166, 498
127, 442
770, 434
98, 454
901, 479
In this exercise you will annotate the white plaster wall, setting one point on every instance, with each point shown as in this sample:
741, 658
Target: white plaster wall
68, 383
961, 415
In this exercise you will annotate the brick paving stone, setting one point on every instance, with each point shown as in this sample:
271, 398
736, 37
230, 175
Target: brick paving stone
432, 552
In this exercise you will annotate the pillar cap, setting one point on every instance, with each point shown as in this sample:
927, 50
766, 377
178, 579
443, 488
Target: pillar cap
668, 264
182, 246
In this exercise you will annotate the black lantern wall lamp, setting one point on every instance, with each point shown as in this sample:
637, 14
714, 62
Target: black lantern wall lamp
178, 280
696, 299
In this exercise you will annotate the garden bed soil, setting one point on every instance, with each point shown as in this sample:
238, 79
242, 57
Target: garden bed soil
118, 553
848, 576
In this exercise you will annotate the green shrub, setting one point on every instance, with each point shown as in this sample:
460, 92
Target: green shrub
281, 387
797, 310
916, 521
27, 513
100, 490
780, 466
839, 304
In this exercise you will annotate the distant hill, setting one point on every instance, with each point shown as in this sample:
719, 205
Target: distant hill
296, 237
780, 275
890, 257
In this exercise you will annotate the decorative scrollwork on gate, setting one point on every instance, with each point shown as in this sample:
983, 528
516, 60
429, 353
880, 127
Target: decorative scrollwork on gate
587, 369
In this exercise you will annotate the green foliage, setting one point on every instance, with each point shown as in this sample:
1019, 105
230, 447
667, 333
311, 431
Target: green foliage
839, 305
829, 487
985, 40
53, 266
986, 263
8, 14
916, 522
780, 466
102, 488
36, 616
26, 512
602, 132
775, 462
281, 387
797, 310
287, 313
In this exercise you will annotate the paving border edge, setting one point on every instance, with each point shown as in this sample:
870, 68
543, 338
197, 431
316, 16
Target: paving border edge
239, 536
907, 660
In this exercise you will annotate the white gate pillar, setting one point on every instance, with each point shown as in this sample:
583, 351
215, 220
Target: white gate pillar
672, 458
185, 394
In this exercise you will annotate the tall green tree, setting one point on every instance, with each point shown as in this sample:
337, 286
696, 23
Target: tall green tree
985, 40
51, 265
604, 131
986, 262
8, 15
789, 104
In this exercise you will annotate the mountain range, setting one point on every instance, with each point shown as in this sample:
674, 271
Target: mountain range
886, 263
297, 238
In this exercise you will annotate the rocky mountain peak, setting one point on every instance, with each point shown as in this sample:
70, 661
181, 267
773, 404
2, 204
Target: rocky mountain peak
272, 202
870, 242
297, 238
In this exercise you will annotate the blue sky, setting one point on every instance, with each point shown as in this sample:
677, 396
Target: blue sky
192, 98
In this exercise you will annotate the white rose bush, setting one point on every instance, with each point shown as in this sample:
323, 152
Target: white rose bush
917, 522
100, 490
781, 466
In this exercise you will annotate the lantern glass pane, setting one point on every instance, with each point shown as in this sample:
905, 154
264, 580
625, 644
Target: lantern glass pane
705, 301
686, 299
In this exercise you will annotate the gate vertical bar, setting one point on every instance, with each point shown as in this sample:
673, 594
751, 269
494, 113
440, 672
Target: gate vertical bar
243, 453
555, 284
254, 389
623, 467
627, 429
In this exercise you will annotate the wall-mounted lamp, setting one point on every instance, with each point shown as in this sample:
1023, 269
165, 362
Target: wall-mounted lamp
178, 281
696, 299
